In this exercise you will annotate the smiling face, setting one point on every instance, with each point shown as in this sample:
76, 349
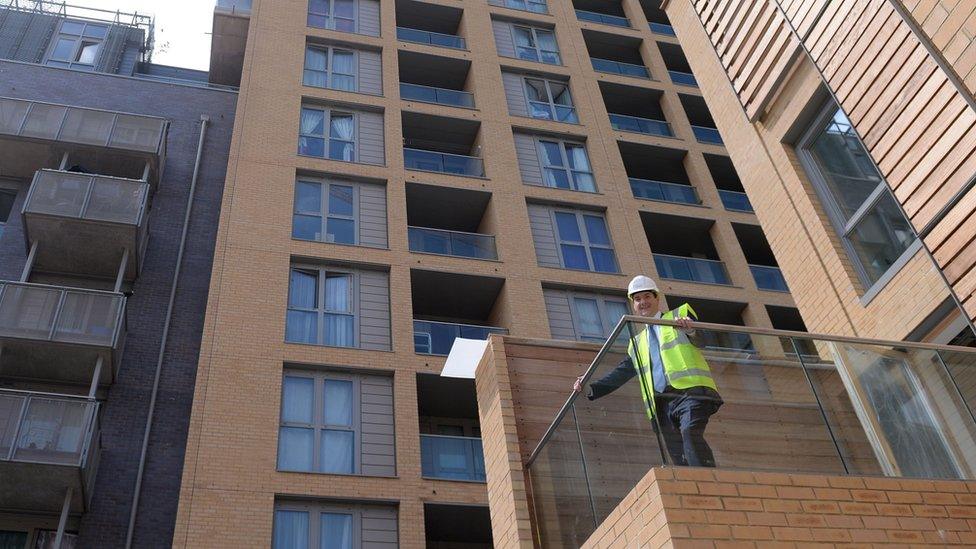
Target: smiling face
645, 303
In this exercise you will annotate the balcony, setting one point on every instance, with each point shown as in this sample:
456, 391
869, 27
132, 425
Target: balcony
759, 256
769, 278
735, 201
81, 223
54, 333
619, 67
661, 28
615, 54
430, 24
239, 7
434, 79
437, 338
678, 68
441, 144
34, 135
700, 118
455, 243
683, 78
663, 191
430, 38
705, 134
441, 96
727, 181
691, 269
603, 18
636, 124
657, 20
449, 221
452, 458
454, 526
48, 444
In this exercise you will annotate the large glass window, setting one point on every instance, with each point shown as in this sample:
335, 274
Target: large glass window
584, 241
77, 45
535, 44
538, 6
319, 423
325, 212
550, 100
337, 15
332, 525
857, 199
327, 67
340, 141
320, 308
566, 165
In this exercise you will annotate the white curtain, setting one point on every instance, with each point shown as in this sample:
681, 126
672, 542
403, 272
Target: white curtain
316, 63
297, 398
303, 289
312, 122
336, 451
338, 402
588, 315
290, 530
523, 38
302, 326
577, 158
342, 127
342, 62
336, 531
615, 310
547, 41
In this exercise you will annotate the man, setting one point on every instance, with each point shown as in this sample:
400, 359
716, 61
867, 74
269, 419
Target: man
676, 382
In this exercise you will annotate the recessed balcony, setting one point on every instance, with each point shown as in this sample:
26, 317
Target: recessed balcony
683, 249
601, 11
450, 436
448, 221
82, 223
434, 79
447, 306
615, 54
658, 173
762, 263
441, 144
678, 68
727, 181
634, 109
701, 120
429, 24
35, 135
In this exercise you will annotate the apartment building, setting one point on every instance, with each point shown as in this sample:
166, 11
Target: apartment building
111, 175
407, 172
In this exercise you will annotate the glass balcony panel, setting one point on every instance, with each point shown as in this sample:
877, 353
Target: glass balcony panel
431, 94
664, 191
438, 241
28, 311
707, 135
87, 126
59, 193
606, 19
735, 201
684, 78
431, 161
661, 28
11, 406
89, 318
431, 38
12, 113
691, 269
44, 121
53, 431
116, 200
617, 67
437, 338
637, 124
769, 278
452, 458
137, 132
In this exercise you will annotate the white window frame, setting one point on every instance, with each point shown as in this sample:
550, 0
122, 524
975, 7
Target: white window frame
603, 311
328, 113
330, 17
321, 310
318, 424
323, 214
566, 167
534, 33
547, 85
834, 212
79, 40
586, 244
330, 54
315, 511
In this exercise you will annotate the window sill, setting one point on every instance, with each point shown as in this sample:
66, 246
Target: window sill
482, 482
534, 61
326, 158
327, 89
887, 277
594, 193
583, 271
729, 285
527, 117
296, 239
323, 346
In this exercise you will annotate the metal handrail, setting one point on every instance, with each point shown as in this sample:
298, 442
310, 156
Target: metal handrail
64, 291
690, 258
462, 44
498, 328
750, 330
461, 93
450, 231
605, 18
432, 435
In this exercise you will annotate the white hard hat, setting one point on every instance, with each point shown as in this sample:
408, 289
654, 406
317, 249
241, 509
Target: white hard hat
641, 283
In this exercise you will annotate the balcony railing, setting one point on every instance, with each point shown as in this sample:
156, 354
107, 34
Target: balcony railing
704, 134
692, 269
437, 338
637, 124
792, 402
619, 67
683, 78
430, 38
663, 191
769, 278
661, 28
238, 7
452, 458
48, 443
735, 201
87, 197
604, 18
433, 161
441, 96
456, 243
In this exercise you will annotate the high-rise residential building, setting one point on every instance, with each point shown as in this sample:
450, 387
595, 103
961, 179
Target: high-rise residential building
111, 175
406, 172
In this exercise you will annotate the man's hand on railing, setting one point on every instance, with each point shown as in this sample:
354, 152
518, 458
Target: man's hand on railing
684, 323
578, 386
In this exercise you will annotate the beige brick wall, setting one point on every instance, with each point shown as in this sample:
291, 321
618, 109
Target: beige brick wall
951, 27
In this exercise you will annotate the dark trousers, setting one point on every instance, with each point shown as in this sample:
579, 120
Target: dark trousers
682, 418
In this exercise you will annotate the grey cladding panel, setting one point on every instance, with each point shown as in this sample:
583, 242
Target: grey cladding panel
371, 138
378, 450
560, 314
503, 38
31, 36
543, 236
372, 215
515, 94
369, 17
370, 72
379, 527
374, 310
528, 159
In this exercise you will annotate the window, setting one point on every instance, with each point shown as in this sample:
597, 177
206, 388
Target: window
594, 316
338, 144
857, 199
566, 166
328, 67
325, 212
319, 423
77, 45
536, 44
333, 525
320, 308
337, 15
7, 198
537, 6
550, 100
584, 241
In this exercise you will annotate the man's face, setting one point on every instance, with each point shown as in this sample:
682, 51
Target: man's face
645, 303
